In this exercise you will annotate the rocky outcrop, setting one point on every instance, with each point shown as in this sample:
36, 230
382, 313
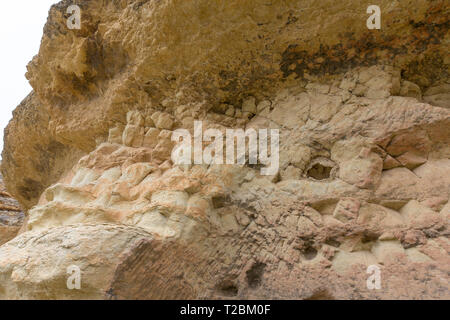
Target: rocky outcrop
11, 216
364, 159
129, 55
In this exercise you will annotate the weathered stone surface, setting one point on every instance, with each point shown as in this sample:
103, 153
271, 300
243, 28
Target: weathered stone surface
95, 249
11, 215
364, 153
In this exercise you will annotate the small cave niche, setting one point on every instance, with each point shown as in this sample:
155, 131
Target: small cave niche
368, 237
227, 288
333, 242
321, 169
319, 172
220, 201
309, 253
254, 274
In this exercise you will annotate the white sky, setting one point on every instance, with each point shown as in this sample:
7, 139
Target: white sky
21, 27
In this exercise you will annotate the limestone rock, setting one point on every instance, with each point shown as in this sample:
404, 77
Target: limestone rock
346, 209
420, 216
364, 147
11, 216
438, 95
410, 89
133, 136
95, 250
249, 105
363, 171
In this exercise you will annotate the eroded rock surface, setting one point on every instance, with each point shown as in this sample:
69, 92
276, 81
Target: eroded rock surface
364, 171
11, 215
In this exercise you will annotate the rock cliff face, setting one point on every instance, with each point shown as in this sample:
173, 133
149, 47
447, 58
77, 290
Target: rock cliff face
364, 158
11, 216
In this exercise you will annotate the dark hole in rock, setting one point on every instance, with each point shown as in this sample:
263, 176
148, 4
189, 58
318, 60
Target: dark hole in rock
254, 275
220, 108
257, 166
219, 202
333, 243
321, 295
319, 172
369, 237
310, 253
228, 288
431, 233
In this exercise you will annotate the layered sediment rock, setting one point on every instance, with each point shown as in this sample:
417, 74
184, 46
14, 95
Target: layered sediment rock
11, 216
364, 170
